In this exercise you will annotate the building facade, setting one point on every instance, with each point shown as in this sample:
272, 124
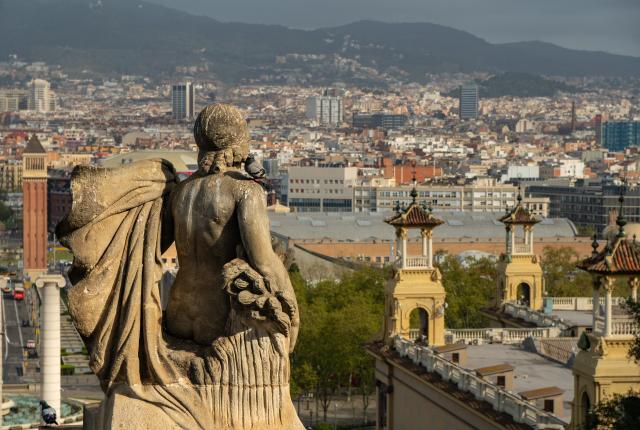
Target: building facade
321, 189
619, 135
325, 110
182, 101
379, 120
41, 98
589, 203
11, 176
469, 101
13, 100
466, 198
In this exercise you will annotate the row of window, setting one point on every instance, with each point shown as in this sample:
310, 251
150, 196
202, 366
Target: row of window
316, 191
316, 181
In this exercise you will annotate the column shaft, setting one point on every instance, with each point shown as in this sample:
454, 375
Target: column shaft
51, 346
608, 313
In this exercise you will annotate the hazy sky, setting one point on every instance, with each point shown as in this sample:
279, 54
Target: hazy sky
607, 25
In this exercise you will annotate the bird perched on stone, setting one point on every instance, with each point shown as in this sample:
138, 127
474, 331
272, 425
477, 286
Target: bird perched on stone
48, 413
254, 168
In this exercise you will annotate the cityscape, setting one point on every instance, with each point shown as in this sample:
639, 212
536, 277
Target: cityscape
460, 237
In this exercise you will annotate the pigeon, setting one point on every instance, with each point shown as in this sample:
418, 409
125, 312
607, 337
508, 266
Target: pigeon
48, 413
254, 168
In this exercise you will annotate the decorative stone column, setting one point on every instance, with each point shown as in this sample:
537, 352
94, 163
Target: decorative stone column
608, 312
596, 301
423, 234
50, 368
403, 234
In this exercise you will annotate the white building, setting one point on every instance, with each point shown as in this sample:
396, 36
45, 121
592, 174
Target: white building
41, 98
182, 101
482, 196
325, 110
521, 172
321, 189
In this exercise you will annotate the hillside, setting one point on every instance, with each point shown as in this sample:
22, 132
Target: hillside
516, 84
123, 36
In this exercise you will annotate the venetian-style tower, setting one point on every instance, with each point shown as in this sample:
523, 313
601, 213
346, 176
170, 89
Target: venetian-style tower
602, 366
416, 287
34, 215
519, 272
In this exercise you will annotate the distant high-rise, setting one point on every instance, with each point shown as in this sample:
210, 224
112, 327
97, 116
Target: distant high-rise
597, 125
41, 98
619, 135
325, 110
573, 117
469, 101
182, 101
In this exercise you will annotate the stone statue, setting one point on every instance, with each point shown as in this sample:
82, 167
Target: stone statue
218, 357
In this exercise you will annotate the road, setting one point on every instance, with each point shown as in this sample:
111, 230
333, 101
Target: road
16, 337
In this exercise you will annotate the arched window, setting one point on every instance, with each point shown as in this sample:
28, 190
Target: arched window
585, 406
419, 325
524, 294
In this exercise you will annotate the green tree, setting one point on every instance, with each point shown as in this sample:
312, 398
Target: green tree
562, 278
338, 318
470, 286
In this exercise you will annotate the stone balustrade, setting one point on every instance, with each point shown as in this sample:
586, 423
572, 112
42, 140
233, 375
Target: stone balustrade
417, 262
538, 318
498, 335
501, 400
580, 303
522, 249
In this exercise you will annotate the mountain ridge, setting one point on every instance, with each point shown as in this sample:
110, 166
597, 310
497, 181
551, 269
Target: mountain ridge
120, 36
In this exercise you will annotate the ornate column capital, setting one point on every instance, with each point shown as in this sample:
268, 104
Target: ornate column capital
426, 233
634, 282
607, 283
402, 233
58, 280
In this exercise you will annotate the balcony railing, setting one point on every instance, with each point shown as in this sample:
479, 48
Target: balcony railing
500, 399
498, 335
522, 249
580, 303
417, 262
535, 317
620, 327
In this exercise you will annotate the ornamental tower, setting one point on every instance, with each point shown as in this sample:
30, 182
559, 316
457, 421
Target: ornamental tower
34, 216
519, 272
602, 366
415, 297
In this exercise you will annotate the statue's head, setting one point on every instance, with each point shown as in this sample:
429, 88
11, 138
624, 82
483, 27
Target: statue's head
222, 136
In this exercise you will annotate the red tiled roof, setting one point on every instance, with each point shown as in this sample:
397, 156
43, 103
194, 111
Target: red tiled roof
415, 216
519, 215
622, 257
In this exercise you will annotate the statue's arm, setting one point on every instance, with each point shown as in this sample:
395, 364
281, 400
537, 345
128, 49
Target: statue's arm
256, 238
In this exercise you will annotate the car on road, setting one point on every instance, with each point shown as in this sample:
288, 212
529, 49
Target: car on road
31, 344
5, 284
18, 291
